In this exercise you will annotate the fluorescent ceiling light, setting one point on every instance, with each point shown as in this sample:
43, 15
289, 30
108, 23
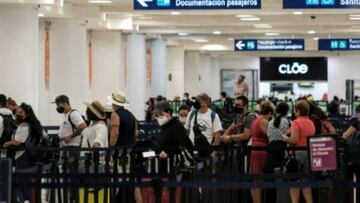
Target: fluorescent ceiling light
41, 14
272, 34
217, 33
262, 26
230, 38
100, 1
354, 18
245, 16
250, 19
183, 34
213, 47
145, 18
175, 13
354, 15
316, 38
311, 32
298, 13
201, 40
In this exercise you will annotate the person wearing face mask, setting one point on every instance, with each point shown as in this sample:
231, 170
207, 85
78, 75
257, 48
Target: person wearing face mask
28, 133
240, 129
29, 129
203, 122
73, 122
173, 134
183, 113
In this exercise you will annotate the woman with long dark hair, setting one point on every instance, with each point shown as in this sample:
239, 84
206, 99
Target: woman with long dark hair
29, 132
276, 147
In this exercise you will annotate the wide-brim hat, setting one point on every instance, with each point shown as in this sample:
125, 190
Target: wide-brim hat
96, 108
118, 99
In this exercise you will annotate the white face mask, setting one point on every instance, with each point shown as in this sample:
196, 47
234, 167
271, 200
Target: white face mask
162, 120
182, 120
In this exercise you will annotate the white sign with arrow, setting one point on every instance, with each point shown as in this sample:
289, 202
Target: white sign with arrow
143, 3
240, 45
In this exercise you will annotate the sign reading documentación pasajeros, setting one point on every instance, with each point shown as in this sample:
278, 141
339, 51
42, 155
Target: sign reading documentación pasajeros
269, 44
339, 44
315, 4
195, 4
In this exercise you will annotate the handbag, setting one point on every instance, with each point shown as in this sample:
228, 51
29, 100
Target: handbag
201, 143
290, 163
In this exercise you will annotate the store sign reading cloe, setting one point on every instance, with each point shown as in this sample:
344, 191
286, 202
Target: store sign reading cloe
195, 4
295, 68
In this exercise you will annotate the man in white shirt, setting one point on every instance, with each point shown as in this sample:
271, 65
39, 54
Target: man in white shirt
208, 121
3, 113
72, 124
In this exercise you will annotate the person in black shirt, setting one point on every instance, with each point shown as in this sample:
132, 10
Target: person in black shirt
354, 168
173, 134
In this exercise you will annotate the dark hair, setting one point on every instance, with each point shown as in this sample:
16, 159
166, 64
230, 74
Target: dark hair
282, 110
333, 107
3, 100
184, 107
302, 107
266, 108
223, 94
186, 94
36, 130
244, 99
91, 116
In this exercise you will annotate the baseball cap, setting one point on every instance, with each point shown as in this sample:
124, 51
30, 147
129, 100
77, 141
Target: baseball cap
61, 99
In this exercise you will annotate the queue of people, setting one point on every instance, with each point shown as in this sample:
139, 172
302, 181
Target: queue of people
197, 127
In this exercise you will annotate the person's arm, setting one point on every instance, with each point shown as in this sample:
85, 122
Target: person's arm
246, 135
294, 136
263, 126
13, 143
115, 125
187, 124
351, 130
230, 129
79, 124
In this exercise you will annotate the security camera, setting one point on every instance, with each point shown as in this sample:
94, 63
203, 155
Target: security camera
312, 17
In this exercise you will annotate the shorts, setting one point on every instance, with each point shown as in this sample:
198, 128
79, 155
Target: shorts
303, 162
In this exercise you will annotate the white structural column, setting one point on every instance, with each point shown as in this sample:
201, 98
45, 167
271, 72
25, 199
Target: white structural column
136, 72
175, 67
69, 64
107, 64
19, 53
192, 73
159, 71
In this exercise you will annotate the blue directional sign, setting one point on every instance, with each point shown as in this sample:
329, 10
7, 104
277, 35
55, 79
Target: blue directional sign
339, 44
315, 4
195, 4
269, 44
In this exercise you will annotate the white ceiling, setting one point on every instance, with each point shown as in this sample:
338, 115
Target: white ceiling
201, 24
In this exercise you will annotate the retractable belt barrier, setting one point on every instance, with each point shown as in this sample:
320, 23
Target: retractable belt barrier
108, 174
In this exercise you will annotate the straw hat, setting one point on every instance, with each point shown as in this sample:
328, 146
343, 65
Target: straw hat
97, 108
118, 99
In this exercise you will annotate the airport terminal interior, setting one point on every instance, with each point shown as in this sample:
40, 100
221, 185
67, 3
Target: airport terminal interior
180, 101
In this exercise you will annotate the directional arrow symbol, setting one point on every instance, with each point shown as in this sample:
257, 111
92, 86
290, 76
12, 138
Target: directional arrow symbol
240, 45
143, 2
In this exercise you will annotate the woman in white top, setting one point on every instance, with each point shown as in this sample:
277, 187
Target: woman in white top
96, 134
29, 132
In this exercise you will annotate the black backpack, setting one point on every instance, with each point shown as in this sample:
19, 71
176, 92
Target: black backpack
10, 127
72, 124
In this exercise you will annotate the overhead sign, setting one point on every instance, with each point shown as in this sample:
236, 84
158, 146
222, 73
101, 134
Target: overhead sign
269, 44
322, 152
195, 4
293, 69
318, 4
339, 44
5, 180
